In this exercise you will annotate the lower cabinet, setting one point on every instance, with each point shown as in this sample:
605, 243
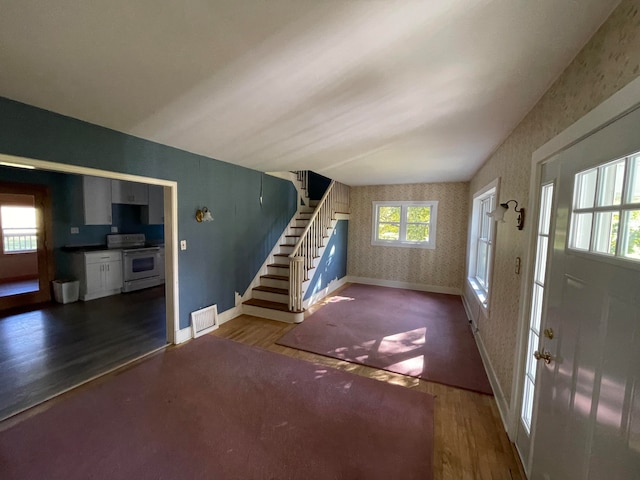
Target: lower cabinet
100, 273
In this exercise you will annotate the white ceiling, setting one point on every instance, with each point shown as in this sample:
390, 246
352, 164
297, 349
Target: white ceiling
362, 91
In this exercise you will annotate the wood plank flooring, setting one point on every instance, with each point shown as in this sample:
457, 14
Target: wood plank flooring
46, 351
470, 442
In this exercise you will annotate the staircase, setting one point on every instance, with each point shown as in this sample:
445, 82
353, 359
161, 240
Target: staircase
280, 293
270, 299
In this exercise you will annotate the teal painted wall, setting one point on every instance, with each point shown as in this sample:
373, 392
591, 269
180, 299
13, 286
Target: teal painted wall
223, 256
333, 265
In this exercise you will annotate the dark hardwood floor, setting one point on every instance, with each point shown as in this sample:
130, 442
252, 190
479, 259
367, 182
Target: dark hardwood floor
48, 350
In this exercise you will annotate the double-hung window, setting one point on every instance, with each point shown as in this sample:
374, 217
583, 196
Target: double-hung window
481, 241
405, 224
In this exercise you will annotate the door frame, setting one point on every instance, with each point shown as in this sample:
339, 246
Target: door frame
616, 106
170, 224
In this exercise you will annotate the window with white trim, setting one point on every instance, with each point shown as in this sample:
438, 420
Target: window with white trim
18, 229
405, 224
481, 241
605, 218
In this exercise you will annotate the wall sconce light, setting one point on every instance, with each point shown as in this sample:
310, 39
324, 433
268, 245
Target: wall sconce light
203, 215
498, 214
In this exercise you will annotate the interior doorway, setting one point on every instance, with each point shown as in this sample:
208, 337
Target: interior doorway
26, 265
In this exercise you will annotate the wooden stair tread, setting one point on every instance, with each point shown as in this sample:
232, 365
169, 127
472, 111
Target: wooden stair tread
281, 254
262, 288
278, 265
275, 277
283, 307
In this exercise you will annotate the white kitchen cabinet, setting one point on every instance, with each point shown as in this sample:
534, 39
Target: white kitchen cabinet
96, 200
130, 193
99, 273
153, 214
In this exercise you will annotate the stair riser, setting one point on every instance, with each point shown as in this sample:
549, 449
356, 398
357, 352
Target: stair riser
286, 249
290, 241
281, 260
287, 317
300, 222
278, 271
270, 282
272, 297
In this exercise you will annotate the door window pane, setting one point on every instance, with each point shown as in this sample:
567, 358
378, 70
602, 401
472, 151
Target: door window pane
585, 188
631, 235
606, 234
611, 181
634, 181
581, 232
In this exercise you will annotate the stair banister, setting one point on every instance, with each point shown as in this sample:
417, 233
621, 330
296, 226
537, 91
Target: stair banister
307, 245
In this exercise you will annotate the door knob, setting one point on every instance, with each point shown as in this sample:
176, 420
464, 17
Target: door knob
546, 356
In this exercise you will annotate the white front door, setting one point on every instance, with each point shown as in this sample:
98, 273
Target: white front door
586, 422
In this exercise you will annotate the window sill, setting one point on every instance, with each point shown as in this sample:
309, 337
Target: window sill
381, 243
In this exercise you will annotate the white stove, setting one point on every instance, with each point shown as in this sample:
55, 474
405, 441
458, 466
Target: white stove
142, 265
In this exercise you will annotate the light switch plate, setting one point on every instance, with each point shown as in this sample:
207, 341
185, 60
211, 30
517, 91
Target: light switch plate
75, 230
183, 244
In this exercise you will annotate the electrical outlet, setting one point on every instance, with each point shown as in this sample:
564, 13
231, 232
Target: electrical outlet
75, 230
183, 244
114, 229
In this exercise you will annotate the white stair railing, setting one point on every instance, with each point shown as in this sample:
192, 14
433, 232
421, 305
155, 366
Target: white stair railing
307, 248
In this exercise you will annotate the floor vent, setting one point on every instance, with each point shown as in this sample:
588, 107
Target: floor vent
204, 320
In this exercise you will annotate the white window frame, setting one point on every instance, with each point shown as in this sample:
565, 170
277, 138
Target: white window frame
623, 207
488, 192
402, 242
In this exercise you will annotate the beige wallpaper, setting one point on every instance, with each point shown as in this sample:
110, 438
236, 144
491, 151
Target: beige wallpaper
609, 61
441, 267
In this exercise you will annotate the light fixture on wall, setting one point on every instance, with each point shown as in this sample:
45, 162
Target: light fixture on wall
498, 213
203, 215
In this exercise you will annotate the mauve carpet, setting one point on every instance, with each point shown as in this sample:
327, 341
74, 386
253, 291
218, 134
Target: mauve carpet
217, 409
420, 334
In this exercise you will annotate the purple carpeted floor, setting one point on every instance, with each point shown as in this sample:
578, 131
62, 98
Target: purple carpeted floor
217, 409
421, 334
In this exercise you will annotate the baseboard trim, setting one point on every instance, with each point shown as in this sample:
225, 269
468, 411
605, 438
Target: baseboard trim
501, 402
467, 308
333, 286
183, 335
229, 314
409, 286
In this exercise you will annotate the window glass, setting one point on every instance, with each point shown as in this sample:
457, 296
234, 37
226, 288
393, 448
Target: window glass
585, 188
610, 185
606, 235
404, 224
18, 229
634, 181
611, 226
631, 235
581, 234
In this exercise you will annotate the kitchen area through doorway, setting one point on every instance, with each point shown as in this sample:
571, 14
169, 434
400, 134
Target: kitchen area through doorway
107, 245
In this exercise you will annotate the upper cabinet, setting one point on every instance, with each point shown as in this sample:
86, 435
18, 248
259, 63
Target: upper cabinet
96, 196
153, 214
131, 193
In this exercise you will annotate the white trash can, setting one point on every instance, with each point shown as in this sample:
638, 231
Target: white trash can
66, 291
